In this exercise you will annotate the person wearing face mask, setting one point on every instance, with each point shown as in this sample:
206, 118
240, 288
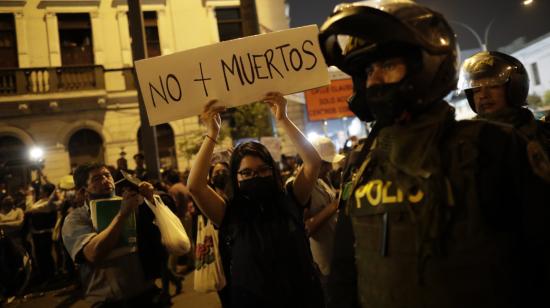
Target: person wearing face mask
218, 175
496, 86
263, 243
434, 212
119, 281
218, 179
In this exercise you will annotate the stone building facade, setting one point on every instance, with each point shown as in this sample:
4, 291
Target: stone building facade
66, 76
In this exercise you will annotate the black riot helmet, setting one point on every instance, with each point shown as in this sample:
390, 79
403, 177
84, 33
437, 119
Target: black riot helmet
491, 68
358, 34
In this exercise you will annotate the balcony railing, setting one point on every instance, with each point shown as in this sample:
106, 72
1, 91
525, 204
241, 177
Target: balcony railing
51, 79
127, 75
129, 78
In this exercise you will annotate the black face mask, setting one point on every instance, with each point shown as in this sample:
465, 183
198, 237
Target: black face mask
220, 180
259, 189
386, 102
357, 102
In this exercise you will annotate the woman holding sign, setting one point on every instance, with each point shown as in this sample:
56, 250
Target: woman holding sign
263, 244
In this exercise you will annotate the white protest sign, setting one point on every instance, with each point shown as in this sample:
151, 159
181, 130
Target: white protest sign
234, 72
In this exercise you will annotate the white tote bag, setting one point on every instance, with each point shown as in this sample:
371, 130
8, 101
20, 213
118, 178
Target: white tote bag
209, 274
173, 235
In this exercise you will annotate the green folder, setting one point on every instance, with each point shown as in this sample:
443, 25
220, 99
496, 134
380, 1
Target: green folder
103, 211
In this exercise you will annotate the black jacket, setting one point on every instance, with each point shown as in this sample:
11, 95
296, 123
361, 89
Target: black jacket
478, 240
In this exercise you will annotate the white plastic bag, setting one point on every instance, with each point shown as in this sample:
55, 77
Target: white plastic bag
173, 235
209, 274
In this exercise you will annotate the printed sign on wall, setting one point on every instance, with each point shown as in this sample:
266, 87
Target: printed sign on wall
330, 102
234, 72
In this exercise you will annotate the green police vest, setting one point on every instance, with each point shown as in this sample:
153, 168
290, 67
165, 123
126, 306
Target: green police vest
423, 240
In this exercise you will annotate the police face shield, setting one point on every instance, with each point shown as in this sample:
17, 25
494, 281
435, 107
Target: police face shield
351, 40
354, 34
358, 34
484, 70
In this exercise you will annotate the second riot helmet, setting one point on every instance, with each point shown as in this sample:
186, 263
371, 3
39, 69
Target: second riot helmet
493, 68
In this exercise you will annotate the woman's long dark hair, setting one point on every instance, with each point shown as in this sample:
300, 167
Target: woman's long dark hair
252, 148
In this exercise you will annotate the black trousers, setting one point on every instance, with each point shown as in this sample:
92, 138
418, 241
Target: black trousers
44, 259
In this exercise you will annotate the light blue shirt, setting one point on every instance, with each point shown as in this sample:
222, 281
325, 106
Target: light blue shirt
109, 280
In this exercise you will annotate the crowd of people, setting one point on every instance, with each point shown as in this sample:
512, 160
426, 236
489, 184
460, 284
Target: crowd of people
31, 218
35, 257
426, 211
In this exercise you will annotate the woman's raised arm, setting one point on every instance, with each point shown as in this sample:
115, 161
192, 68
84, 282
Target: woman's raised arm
307, 176
210, 203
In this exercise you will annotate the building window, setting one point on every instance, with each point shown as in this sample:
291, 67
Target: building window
151, 34
75, 37
230, 23
166, 146
536, 76
8, 43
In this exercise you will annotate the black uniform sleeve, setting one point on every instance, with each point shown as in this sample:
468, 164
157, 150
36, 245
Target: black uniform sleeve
342, 281
519, 202
536, 233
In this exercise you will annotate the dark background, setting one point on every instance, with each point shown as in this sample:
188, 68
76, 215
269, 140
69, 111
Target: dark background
511, 19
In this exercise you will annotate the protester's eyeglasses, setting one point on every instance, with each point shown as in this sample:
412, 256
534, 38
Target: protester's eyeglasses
262, 171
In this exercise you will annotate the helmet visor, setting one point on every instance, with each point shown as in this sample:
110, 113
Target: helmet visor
365, 30
484, 70
354, 39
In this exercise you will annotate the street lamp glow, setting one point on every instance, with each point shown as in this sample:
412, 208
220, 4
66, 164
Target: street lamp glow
313, 136
36, 153
527, 2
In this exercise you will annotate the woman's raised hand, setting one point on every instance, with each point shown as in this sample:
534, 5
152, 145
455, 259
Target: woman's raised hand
277, 104
210, 117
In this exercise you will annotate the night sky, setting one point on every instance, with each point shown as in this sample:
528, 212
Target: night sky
512, 20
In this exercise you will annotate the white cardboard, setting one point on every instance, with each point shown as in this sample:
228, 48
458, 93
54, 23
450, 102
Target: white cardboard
235, 72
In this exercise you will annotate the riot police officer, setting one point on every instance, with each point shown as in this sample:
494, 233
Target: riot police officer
433, 212
496, 86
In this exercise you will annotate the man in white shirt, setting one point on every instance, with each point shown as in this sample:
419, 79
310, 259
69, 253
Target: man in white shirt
320, 218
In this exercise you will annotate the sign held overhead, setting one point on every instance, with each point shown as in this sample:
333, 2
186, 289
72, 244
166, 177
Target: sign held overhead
235, 72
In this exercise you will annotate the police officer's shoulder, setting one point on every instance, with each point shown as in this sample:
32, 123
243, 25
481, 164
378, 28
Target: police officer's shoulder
485, 131
544, 132
492, 125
